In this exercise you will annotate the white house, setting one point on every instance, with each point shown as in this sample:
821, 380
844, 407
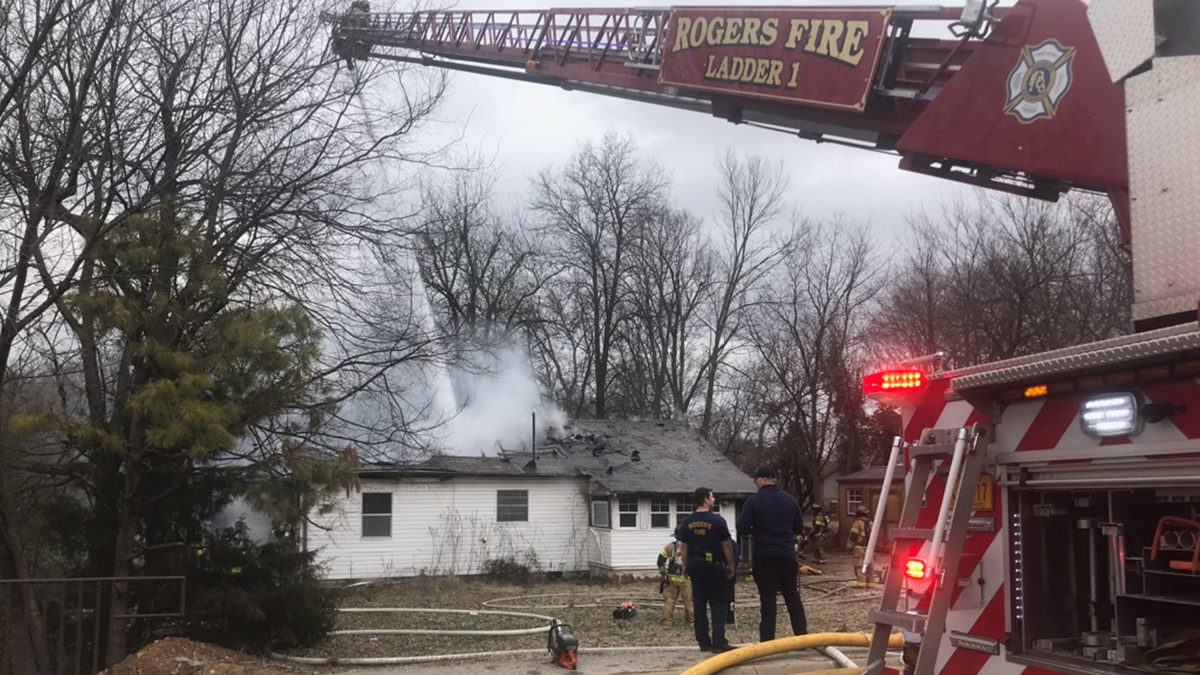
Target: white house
600, 497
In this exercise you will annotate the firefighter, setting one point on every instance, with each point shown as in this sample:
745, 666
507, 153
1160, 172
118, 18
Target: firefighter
358, 17
675, 587
707, 552
856, 543
773, 518
816, 536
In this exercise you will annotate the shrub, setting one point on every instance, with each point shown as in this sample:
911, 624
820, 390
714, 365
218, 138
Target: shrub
253, 595
509, 569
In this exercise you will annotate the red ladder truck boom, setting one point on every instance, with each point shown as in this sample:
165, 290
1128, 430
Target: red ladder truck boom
856, 75
1023, 99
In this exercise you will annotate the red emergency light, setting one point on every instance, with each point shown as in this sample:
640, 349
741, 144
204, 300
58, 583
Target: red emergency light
888, 385
915, 569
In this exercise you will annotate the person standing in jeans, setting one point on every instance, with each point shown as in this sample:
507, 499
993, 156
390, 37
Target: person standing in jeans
774, 519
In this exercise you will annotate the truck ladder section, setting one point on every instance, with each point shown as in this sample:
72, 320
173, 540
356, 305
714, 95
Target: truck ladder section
966, 449
619, 51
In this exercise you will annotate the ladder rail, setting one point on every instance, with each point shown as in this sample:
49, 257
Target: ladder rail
939, 532
968, 456
881, 507
938, 615
893, 586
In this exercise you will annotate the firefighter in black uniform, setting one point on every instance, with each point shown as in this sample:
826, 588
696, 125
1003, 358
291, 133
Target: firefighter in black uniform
707, 551
773, 518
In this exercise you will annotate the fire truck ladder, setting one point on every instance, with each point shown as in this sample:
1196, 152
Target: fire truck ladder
966, 450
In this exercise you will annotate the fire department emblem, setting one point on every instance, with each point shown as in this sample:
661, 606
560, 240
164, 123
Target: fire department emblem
1039, 81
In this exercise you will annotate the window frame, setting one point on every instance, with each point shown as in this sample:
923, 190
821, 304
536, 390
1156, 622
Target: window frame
853, 503
375, 516
683, 508
606, 508
660, 512
512, 512
623, 512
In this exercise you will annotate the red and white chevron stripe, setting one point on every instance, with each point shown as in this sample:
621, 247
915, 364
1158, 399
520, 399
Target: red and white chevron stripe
1033, 426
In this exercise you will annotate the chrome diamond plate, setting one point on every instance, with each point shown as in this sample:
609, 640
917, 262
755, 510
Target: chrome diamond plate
1163, 133
1124, 29
1117, 351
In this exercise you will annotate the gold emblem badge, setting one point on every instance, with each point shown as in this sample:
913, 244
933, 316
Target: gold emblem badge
1039, 81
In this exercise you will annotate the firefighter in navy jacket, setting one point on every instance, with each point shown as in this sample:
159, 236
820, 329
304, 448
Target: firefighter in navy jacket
708, 561
773, 518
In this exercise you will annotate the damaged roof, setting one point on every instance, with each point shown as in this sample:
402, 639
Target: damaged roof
623, 457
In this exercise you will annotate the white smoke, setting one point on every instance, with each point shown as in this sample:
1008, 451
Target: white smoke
496, 399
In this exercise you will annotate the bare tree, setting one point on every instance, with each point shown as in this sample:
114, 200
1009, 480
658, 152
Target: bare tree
561, 347
482, 272
808, 340
752, 199
595, 211
671, 277
189, 178
1005, 277
39, 169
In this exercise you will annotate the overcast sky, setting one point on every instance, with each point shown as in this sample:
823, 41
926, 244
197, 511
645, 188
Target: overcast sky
528, 127
524, 128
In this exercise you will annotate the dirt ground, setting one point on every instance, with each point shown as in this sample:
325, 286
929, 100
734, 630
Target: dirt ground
831, 600
178, 656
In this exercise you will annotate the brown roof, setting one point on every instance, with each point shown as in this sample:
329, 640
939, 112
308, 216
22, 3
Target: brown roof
869, 474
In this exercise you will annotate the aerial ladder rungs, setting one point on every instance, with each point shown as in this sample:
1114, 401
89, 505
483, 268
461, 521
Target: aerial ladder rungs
911, 621
911, 533
935, 450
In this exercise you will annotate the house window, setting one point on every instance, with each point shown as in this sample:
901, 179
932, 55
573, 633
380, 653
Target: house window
601, 510
660, 512
377, 514
512, 506
627, 509
683, 508
854, 499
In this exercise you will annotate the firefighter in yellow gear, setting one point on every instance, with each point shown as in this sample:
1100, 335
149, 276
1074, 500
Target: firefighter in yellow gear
675, 586
860, 531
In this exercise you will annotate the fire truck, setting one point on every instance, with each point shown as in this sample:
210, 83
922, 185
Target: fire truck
1051, 522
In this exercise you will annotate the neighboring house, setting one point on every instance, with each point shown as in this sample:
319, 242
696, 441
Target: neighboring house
600, 497
827, 489
864, 487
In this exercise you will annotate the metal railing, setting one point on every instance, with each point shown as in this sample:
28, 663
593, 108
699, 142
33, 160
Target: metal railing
597, 37
74, 614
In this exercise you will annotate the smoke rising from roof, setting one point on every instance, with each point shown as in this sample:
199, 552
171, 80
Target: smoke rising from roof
493, 399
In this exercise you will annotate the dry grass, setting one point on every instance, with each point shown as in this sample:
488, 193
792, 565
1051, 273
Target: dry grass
831, 601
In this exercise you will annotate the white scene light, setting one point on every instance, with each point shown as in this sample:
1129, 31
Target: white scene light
1111, 415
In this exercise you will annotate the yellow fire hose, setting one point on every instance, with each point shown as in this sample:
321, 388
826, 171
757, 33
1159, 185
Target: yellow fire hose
795, 643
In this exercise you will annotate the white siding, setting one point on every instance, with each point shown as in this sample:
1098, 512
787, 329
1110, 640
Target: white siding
449, 527
636, 549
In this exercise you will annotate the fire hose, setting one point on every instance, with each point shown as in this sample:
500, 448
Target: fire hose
795, 643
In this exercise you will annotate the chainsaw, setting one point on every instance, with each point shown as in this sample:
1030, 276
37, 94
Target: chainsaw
625, 612
562, 645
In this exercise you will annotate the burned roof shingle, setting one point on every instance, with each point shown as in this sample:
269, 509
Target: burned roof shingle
620, 456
